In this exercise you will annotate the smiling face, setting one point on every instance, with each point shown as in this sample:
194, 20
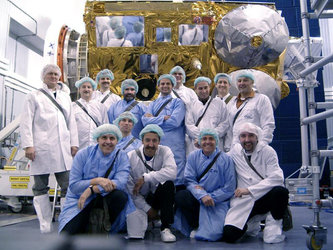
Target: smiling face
129, 94
150, 143
248, 141
51, 79
165, 87
86, 91
125, 125
179, 77
107, 143
222, 86
208, 144
104, 84
244, 86
202, 90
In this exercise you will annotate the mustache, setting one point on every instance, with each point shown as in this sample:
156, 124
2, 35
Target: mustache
150, 147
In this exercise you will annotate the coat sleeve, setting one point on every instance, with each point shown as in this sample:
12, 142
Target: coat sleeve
27, 118
267, 122
111, 113
76, 184
73, 128
223, 125
273, 177
152, 120
104, 114
166, 173
190, 175
229, 179
191, 129
177, 116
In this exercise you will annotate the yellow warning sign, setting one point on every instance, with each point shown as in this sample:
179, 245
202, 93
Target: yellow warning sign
19, 185
51, 191
19, 178
10, 168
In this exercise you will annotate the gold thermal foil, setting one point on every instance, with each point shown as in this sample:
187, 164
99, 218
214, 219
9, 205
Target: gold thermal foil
124, 62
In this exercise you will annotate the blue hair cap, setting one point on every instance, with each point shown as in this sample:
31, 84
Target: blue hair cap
126, 114
222, 75
129, 83
151, 128
246, 74
104, 73
208, 131
202, 79
107, 129
178, 69
167, 76
86, 79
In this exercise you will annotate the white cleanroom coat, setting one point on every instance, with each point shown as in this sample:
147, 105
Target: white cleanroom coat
265, 160
257, 110
165, 168
99, 96
216, 117
85, 125
187, 95
44, 127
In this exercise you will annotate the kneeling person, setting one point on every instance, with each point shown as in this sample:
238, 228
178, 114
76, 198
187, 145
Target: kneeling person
260, 190
151, 179
210, 181
87, 180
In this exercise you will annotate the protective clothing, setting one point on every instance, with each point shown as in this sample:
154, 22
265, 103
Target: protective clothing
105, 73
137, 223
152, 128
257, 110
85, 125
129, 83
90, 163
273, 230
125, 140
192, 36
173, 128
114, 42
219, 183
165, 169
138, 110
44, 213
222, 75
208, 131
167, 76
246, 74
44, 127
106, 129
187, 95
265, 160
216, 117
202, 79
113, 98
126, 114
86, 79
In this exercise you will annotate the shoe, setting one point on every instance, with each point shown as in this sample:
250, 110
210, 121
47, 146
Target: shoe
273, 230
192, 234
167, 236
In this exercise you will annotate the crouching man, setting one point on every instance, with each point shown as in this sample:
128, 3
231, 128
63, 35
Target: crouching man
151, 182
210, 180
260, 191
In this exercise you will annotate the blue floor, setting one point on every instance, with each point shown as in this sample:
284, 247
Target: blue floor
26, 236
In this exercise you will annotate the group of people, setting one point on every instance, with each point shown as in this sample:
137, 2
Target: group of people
197, 164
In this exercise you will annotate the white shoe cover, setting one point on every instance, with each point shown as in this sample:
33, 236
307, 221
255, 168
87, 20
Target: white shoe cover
167, 236
253, 225
44, 213
273, 230
193, 233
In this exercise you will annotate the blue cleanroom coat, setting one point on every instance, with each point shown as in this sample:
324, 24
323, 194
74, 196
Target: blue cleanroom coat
90, 163
219, 182
173, 128
123, 142
119, 107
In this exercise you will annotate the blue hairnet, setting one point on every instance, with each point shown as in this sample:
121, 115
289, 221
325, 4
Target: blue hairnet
107, 129
104, 73
151, 128
86, 79
246, 74
202, 79
120, 32
222, 75
167, 76
126, 114
208, 131
129, 83
138, 27
178, 69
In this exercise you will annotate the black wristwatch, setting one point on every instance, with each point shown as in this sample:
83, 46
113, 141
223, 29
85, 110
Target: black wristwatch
92, 189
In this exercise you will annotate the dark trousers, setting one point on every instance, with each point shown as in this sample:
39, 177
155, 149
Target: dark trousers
163, 199
116, 201
189, 206
275, 201
41, 185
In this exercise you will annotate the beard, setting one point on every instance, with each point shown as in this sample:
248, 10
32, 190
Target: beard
129, 97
